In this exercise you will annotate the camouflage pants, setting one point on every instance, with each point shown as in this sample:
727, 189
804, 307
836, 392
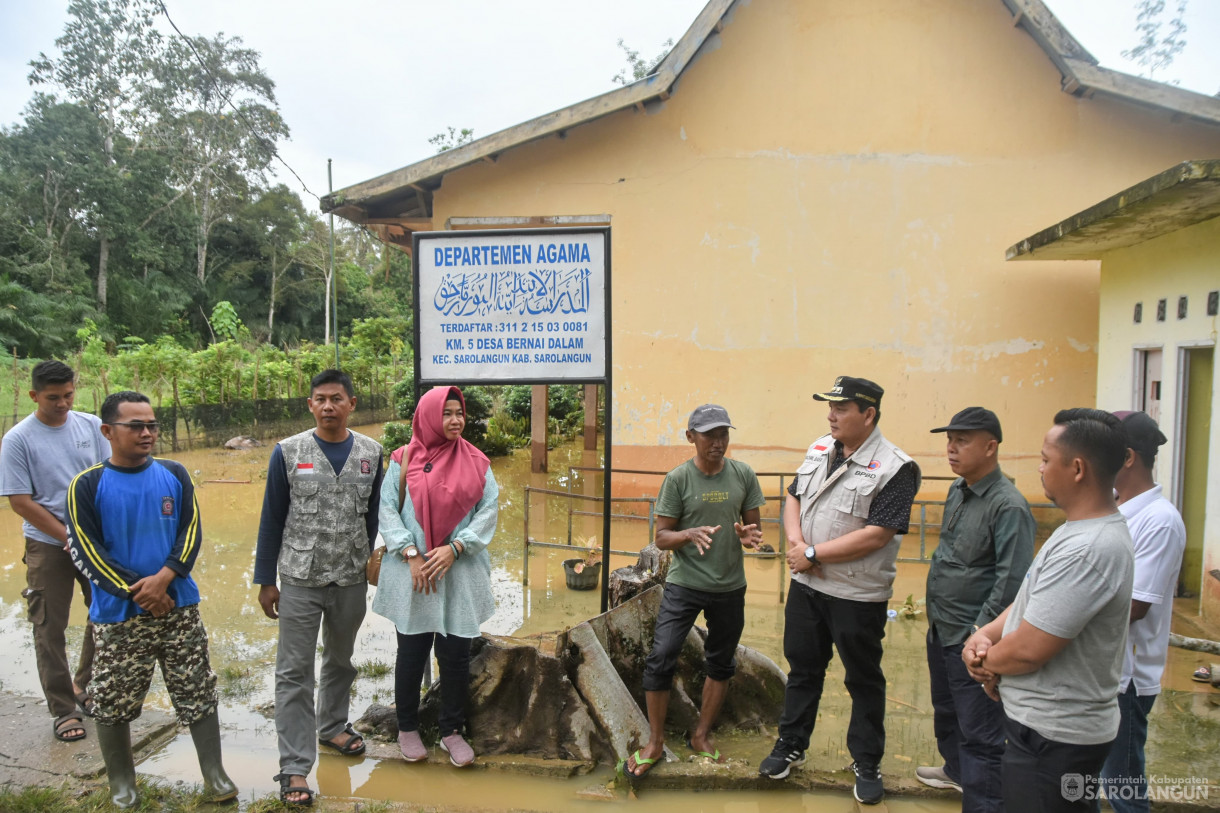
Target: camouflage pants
128, 652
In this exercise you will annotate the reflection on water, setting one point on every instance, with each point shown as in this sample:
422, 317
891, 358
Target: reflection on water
243, 652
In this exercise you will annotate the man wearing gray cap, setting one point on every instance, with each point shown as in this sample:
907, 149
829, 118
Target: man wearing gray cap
707, 511
986, 545
1159, 537
850, 499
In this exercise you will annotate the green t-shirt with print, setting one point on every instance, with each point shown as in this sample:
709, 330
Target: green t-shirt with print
693, 499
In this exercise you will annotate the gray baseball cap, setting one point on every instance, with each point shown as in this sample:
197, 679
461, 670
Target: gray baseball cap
708, 417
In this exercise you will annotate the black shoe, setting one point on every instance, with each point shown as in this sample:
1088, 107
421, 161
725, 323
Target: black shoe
784, 757
868, 789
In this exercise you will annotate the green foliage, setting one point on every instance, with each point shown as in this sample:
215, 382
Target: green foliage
225, 322
640, 68
134, 195
1156, 51
453, 138
395, 434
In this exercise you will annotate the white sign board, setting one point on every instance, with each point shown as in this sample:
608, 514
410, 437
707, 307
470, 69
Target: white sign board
521, 305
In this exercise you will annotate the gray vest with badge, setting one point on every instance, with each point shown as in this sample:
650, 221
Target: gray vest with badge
326, 538
839, 505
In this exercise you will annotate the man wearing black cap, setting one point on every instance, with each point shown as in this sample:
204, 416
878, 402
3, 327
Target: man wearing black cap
850, 499
1159, 537
707, 511
986, 545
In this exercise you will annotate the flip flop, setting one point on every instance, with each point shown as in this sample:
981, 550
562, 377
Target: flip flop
640, 762
69, 722
347, 748
85, 703
713, 757
1202, 675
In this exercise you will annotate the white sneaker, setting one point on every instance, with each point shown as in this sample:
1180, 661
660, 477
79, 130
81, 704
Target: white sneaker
936, 778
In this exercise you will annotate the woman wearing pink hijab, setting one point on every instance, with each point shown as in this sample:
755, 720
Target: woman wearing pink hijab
438, 514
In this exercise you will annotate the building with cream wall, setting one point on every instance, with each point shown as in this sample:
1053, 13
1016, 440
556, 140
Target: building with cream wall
807, 189
1159, 246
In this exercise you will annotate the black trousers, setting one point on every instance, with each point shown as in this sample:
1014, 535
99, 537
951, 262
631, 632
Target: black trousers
453, 656
969, 728
813, 622
1049, 776
725, 614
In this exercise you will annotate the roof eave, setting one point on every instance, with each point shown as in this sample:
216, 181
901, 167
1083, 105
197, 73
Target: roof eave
1181, 196
354, 202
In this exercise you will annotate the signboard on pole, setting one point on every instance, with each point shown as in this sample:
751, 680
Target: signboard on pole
512, 306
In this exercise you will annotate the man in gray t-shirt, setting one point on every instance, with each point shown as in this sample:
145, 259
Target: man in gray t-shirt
38, 459
1055, 655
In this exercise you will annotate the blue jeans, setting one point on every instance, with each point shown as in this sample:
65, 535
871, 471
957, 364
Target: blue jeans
969, 728
1123, 773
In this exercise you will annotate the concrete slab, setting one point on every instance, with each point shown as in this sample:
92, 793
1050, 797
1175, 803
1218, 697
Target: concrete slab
30, 754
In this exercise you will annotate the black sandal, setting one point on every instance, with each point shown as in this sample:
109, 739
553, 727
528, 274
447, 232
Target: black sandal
286, 788
347, 749
69, 722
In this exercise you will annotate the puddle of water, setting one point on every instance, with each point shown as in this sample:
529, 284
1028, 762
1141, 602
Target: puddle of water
243, 651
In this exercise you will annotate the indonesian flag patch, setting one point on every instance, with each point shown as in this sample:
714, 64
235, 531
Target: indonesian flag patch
304, 466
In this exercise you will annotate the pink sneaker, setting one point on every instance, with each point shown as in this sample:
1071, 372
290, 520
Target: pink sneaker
460, 753
412, 746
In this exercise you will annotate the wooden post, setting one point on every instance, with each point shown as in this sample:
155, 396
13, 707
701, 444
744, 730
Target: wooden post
538, 418
590, 417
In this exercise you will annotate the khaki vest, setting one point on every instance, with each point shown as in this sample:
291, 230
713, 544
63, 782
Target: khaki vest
325, 536
834, 507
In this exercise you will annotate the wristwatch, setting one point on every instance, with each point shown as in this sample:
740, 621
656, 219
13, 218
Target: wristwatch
812, 555
412, 551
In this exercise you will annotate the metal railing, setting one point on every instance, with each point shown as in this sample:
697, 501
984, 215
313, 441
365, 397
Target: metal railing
922, 522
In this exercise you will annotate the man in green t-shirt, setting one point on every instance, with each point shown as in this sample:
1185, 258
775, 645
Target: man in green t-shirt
707, 512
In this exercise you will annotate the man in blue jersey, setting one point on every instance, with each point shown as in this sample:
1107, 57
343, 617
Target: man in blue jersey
133, 530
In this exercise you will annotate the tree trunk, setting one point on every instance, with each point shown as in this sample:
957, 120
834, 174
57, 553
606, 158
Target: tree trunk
103, 262
271, 303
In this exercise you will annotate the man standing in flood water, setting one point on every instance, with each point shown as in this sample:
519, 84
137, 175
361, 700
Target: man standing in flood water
707, 511
38, 458
318, 526
848, 503
986, 544
134, 532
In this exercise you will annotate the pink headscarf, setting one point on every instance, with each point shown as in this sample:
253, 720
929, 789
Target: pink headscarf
444, 477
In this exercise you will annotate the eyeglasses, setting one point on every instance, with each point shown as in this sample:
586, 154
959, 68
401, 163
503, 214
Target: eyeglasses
139, 426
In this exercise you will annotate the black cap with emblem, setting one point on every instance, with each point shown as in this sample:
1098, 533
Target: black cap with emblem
847, 388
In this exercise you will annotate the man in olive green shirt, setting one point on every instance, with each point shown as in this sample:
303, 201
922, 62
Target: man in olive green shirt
986, 545
707, 512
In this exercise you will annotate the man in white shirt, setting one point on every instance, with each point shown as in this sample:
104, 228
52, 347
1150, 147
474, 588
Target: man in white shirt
1160, 537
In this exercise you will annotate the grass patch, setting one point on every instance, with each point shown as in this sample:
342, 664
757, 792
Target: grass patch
374, 669
236, 682
154, 798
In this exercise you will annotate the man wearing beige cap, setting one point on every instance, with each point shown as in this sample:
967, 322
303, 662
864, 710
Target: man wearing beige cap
986, 544
849, 501
707, 511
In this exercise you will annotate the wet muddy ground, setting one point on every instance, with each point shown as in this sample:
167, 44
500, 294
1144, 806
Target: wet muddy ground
1185, 725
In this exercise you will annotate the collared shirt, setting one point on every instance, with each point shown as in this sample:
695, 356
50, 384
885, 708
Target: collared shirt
986, 545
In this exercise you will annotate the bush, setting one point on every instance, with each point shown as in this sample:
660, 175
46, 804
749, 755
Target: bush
396, 434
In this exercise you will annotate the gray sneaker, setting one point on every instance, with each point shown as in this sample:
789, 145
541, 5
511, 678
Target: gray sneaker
459, 751
936, 778
412, 747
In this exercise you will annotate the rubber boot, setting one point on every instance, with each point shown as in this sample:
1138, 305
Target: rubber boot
114, 741
218, 787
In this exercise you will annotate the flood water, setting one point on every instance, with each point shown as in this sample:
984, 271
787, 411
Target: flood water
1184, 723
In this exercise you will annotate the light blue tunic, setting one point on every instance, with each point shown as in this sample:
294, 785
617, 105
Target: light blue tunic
463, 599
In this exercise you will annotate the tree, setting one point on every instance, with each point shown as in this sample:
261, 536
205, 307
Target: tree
105, 64
449, 140
639, 67
1156, 51
221, 125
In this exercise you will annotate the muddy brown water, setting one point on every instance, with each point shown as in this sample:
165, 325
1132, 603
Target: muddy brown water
243, 644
